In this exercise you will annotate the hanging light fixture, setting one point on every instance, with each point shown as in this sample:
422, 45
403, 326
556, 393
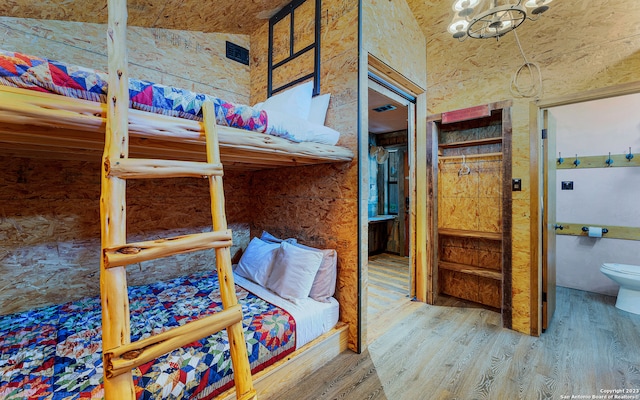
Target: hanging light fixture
483, 19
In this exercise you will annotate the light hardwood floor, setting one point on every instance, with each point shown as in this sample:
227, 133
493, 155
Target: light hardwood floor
388, 292
460, 351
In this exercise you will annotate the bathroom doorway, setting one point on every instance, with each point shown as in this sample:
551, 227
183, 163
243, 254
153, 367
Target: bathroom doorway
586, 182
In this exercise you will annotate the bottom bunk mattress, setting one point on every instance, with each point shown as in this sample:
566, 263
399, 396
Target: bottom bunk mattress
56, 353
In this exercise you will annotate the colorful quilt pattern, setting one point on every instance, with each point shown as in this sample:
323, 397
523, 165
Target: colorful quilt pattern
55, 352
40, 74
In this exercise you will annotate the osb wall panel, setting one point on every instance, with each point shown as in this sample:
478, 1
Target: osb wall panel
391, 33
50, 228
319, 204
474, 201
470, 251
578, 45
190, 60
470, 287
237, 16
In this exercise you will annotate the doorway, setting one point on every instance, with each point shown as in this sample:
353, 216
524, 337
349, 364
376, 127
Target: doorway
397, 87
388, 207
553, 162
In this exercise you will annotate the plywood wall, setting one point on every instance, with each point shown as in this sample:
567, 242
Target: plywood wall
319, 204
50, 228
190, 60
578, 45
391, 33
49, 210
470, 202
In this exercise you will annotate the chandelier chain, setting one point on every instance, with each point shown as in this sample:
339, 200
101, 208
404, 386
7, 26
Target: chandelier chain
534, 87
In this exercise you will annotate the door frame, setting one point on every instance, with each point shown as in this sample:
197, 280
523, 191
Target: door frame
538, 228
418, 241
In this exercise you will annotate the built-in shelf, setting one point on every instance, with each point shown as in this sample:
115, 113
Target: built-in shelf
466, 143
470, 234
471, 270
468, 156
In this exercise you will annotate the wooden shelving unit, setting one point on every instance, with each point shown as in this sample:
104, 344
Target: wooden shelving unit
474, 265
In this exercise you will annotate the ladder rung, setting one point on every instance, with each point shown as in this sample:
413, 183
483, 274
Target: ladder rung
123, 358
143, 168
132, 253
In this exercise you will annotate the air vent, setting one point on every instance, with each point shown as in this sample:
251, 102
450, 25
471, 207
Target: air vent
237, 53
387, 107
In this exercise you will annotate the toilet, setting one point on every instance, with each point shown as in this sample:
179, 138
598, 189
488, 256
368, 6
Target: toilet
628, 277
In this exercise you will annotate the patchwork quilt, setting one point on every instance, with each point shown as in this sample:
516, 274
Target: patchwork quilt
44, 75
55, 352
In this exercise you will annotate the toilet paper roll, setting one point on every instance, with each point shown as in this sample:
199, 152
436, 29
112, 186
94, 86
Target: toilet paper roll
595, 231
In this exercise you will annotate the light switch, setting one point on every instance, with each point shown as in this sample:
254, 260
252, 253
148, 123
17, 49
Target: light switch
516, 185
567, 185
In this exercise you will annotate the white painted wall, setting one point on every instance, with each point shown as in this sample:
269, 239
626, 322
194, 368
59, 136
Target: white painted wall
601, 196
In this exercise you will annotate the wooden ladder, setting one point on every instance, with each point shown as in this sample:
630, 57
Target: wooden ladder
120, 356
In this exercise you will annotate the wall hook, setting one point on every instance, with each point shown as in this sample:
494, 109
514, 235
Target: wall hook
609, 160
560, 159
577, 161
629, 156
464, 168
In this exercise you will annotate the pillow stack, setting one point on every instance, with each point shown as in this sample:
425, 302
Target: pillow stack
297, 115
290, 269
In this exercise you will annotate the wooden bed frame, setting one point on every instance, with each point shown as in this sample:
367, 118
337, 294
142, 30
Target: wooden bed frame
43, 125
50, 126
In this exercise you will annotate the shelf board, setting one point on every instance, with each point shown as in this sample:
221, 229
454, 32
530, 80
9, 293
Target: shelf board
445, 158
467, 143
471, 270
470, 234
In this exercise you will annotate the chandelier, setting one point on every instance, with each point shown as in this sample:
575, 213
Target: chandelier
483, 19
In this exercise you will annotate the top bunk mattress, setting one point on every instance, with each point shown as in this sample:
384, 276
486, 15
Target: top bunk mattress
37, 74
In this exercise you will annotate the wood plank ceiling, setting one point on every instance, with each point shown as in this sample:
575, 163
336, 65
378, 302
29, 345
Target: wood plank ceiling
236, 16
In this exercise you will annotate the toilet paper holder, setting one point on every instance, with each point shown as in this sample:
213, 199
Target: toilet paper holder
586, 229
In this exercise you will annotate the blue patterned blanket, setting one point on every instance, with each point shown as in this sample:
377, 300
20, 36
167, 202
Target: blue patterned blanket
55, 352
44, 75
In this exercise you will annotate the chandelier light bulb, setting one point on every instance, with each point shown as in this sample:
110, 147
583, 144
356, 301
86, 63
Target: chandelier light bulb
459, 28
538, 6
464, 8
483, 19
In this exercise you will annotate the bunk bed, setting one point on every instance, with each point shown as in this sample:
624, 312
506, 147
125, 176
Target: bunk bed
55, 352
66, 351
55, 110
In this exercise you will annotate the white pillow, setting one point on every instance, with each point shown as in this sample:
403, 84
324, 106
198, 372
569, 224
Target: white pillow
257, 260
295, 101
324, 284
299, 130
318, 109
293, 272
267, 237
